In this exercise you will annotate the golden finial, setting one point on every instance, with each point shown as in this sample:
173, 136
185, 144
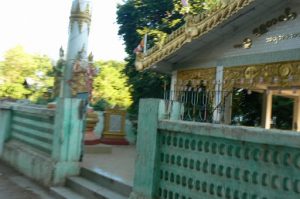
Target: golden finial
81, 16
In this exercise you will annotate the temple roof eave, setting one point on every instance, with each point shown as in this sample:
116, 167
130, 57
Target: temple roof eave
195, 27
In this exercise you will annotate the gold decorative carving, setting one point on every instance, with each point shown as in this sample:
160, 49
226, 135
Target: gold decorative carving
79, 79
250, 72
275, 74
231, 76
82, 75
114, 132
283, 74
285, 70
196, 77
91, 120
195, 27
247, 43
81, 17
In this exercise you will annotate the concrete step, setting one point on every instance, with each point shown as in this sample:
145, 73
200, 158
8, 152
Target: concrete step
65, 193
109, 182
91, 190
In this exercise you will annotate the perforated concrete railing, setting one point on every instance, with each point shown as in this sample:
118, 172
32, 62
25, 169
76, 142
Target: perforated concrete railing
192, 160
194, 164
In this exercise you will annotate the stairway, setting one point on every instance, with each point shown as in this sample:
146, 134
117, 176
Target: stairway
91, 185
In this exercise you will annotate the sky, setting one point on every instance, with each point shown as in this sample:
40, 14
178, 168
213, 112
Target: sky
41, 26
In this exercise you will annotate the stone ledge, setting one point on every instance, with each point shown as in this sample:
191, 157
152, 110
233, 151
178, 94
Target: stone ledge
248, 134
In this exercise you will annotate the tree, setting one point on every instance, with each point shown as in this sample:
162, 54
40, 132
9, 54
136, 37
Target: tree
246, 107
157, 19
282, 112
24, 75
44, 80
111, 85
133, 18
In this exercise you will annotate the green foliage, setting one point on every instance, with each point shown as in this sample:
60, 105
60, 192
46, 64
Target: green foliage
246, 108
110, 85
138, 17
101, 105
135, 19
157, 19
210, 4
282, 112
19, 66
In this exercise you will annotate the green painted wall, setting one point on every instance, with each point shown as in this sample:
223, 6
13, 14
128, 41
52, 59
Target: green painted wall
43, 144
5, 119
191, 160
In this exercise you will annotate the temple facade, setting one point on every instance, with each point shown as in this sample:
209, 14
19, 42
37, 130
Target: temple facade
246, 44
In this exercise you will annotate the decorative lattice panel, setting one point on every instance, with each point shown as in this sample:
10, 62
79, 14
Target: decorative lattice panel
199, 167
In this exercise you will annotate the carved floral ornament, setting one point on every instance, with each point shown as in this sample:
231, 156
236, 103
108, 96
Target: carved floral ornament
195, 27
283, 74
82, 78
196, 78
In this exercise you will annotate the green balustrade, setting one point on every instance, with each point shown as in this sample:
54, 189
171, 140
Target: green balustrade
41, 143
208, 161
33, 126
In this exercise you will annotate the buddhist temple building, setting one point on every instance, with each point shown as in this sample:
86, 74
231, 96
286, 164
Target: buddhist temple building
242, 44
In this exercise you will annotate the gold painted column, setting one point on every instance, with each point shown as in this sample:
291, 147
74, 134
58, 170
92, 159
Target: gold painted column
267, 110
296, 115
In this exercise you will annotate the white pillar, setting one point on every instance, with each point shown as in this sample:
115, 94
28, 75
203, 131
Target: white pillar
173, 85
267, 110
296, 115
218, 94
79, 29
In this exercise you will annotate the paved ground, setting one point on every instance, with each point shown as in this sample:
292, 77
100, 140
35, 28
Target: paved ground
14, 185
118, 165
